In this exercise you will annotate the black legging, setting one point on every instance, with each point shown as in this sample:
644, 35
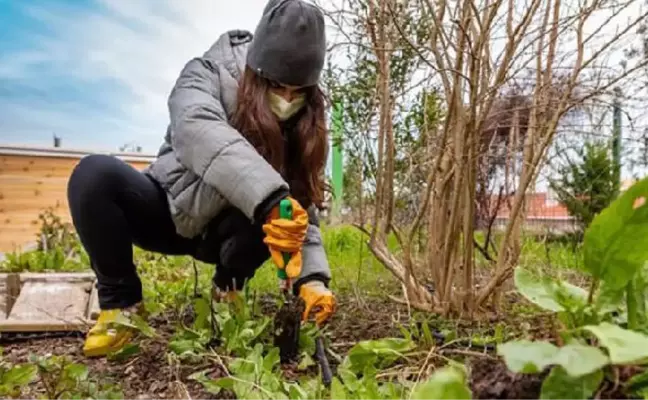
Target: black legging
114, 206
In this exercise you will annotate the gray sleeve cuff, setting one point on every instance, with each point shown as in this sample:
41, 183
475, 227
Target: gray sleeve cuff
315, 261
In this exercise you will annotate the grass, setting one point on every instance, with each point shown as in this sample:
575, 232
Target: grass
354, 269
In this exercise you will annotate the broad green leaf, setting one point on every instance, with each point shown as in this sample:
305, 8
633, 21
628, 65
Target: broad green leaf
614, 246
224, 383
211, 385
559, 385
445, 383
183, 346
135, 322
305, 362
610, 299
549, 294
391, 390
295, 392
579, 360
77, 372
337, 390
125, 352
271, 359
624, 346
349, 378
307, 337
20, 375
527, 357
203, 311
381, 352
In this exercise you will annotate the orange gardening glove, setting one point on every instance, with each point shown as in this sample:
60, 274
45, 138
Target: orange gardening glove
319, 300
287, 236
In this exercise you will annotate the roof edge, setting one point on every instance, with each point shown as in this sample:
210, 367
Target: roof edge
39, 151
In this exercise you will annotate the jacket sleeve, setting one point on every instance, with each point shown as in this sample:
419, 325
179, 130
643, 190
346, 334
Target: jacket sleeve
315, 265
205, 143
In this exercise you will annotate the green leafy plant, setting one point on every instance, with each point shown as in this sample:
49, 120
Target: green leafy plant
357, 375
14, 377
58, 249
190, 342
257, 376
59, 377
40, 260
238, 325
604, 325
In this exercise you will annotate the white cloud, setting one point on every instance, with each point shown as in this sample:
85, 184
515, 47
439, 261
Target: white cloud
138, 46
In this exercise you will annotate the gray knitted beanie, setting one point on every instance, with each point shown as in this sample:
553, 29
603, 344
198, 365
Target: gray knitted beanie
289, 43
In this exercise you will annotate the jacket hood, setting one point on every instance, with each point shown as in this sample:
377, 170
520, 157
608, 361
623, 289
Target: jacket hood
230, 50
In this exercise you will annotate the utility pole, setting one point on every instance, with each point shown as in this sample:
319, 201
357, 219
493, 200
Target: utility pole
337, 168
616, 137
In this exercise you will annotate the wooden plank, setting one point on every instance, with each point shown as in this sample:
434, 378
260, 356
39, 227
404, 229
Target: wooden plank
13, 240
13, 292
32, 207
61, 301
28, 215
30, 184
22, 217
31, 203
9, 289
23, 165
26, 246
57, 166
93, 304
58, 277
43, 325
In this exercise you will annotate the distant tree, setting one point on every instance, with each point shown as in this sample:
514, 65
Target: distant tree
587, 185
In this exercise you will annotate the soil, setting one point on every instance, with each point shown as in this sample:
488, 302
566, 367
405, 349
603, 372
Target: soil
490, 379
149, 374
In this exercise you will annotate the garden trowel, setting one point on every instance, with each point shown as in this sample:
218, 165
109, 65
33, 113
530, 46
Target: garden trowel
287, 322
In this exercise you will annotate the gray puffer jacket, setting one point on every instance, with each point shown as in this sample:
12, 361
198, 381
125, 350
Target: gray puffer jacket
205, 165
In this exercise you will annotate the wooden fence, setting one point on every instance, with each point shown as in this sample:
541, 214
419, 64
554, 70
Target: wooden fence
33, 180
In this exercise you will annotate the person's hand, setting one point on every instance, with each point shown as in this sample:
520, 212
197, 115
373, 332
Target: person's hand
287, 236
319, 300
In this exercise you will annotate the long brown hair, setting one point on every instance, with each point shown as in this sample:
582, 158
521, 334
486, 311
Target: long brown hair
298, 148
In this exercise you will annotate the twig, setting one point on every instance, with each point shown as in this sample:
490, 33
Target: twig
195, 269
425, 363
466, 353
418, 306
396, 371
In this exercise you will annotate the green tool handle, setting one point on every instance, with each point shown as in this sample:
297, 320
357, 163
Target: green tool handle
285, 212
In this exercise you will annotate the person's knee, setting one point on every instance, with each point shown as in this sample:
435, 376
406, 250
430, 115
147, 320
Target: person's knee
91, 176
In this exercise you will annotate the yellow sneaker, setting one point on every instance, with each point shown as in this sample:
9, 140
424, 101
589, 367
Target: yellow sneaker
103, 338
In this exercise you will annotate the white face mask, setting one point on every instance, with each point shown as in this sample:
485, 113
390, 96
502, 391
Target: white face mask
285, 109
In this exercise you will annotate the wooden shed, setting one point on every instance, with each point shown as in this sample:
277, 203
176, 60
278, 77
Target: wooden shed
33, 179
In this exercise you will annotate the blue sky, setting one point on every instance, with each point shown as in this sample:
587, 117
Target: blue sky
98, 72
